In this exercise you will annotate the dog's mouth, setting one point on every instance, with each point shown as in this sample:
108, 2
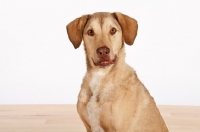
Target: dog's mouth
104, 63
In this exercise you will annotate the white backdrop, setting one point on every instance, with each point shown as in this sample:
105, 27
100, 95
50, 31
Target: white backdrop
38, 64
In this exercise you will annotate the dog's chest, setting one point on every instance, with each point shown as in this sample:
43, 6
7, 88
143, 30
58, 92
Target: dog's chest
96, 82
92, 106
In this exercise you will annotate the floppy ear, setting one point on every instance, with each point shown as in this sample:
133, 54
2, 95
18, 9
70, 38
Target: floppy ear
75, 30
129, 27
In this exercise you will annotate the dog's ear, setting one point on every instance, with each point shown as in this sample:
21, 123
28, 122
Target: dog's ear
75, 30
129, 27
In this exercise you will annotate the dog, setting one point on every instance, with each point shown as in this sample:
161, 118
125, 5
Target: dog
112, 98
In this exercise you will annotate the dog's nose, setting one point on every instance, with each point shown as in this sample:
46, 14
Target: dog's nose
103, 51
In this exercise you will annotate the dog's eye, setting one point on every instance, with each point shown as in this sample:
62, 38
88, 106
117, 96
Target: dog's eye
90, 32
113, 31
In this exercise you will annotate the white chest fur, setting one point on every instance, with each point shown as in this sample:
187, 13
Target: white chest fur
92, 106
96, 81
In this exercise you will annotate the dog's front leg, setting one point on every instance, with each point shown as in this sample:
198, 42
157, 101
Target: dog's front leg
81, 108
83, 99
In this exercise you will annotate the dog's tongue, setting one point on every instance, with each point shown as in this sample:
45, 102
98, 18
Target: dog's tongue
105, 63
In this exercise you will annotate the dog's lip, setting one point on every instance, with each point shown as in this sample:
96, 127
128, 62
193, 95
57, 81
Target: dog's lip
105, 63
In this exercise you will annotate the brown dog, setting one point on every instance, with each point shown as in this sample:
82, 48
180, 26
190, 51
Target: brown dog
112, 98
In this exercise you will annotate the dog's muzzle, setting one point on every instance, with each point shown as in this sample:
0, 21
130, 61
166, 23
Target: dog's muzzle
104, 57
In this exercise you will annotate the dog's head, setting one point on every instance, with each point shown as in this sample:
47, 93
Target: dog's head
103, 35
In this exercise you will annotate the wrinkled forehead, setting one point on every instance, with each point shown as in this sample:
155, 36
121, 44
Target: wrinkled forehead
102, 19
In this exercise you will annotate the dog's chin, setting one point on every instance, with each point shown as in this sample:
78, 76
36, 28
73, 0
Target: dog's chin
104, 63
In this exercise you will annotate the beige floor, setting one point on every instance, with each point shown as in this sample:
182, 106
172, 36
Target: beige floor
64, 118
